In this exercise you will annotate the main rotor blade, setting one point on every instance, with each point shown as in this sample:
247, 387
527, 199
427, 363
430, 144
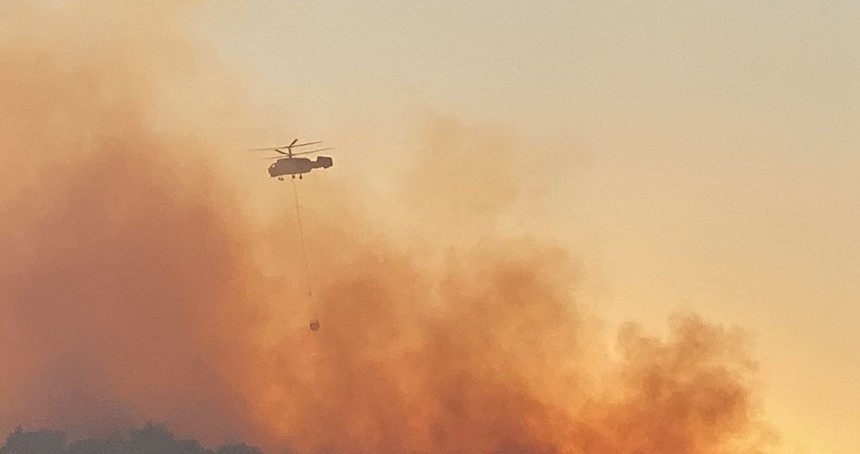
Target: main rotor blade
303, 144
313, 151
285, 146
298, 154
267, 149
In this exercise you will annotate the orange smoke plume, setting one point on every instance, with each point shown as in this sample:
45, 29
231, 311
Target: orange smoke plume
135, 284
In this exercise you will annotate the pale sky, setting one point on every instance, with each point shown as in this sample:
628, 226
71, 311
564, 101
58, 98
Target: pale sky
716, 150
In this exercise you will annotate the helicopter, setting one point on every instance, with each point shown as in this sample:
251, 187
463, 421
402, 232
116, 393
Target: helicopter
287, 164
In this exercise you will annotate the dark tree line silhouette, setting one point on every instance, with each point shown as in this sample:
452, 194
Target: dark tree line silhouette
151, 439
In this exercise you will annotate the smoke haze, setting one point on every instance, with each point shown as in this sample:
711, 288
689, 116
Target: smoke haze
137, 286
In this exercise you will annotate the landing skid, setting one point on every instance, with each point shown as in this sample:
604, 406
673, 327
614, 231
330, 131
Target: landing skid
281, 178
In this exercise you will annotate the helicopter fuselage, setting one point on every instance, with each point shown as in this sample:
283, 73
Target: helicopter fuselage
297, 166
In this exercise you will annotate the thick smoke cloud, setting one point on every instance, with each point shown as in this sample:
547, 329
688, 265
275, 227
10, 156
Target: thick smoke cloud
122, 261
136, 285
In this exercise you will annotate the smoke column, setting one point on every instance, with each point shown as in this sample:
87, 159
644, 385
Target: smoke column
135, 286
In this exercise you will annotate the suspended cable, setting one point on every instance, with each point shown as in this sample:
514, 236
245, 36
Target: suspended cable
302, 237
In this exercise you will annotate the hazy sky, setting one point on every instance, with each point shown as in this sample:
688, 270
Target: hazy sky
711, 150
